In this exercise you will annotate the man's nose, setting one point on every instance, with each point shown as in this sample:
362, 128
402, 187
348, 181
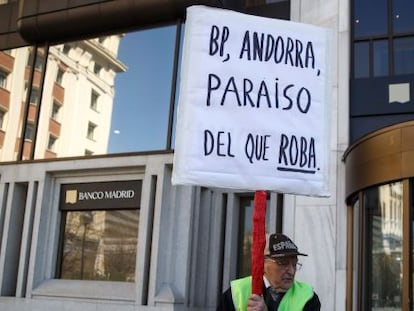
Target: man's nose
292, 268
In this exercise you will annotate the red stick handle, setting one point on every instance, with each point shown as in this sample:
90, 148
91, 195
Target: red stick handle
259, 241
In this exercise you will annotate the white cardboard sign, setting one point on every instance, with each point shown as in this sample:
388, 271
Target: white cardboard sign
253, 104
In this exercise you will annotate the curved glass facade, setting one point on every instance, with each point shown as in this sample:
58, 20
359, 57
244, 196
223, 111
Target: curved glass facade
380, 190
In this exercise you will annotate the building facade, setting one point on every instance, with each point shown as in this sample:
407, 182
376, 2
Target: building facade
89, 218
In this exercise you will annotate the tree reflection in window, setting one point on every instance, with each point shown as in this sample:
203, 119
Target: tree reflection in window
383, 265
100, 245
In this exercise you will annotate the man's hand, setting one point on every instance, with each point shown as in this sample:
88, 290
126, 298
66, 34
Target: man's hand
256, 303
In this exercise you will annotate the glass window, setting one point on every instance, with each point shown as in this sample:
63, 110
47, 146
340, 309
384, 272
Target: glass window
404, 55
51, 143
94, 100
66, 49
370, 18
91, 131
100, 245
134, 94
2, 116
143, 91
100, 230
383, 206
34, 96
380, 48
3, 79
38, 61
245, 236
55, 110
97, 68
402, 15
59, 76
361, 60
29, 131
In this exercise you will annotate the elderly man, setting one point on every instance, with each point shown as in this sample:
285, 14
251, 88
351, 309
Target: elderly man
281, 291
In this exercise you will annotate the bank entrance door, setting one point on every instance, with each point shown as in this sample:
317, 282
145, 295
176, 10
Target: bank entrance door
383, 266
382, 261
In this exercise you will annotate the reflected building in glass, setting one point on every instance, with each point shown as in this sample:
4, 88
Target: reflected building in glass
67, 99
384, 205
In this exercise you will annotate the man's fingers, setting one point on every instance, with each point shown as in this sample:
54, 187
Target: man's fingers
256, 302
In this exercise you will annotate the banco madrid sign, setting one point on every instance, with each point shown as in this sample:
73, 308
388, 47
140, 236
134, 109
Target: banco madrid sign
101, 195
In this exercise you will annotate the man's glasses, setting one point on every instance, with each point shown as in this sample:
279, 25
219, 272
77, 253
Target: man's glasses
285, 262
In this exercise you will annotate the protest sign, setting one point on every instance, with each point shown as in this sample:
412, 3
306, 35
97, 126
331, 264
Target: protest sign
253, 107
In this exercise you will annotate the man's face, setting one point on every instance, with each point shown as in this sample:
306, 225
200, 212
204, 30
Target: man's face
280, 271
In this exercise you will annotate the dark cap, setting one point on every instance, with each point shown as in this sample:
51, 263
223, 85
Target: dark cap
280, 245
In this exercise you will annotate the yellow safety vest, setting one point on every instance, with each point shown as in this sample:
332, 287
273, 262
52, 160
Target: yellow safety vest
294, 300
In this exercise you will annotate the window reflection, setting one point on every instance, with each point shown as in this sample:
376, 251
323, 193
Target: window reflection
34, 96
389, 34
91, 131
2, 113
142, 100
28, 135
59, 76
94, 100
245, 234
80, 76
365, 22
100, 245
55, 111
105, 95
402, 15
380, 58
3, 79
383, 207
404, 55
361, 60
7, 65
52, 142
30, 107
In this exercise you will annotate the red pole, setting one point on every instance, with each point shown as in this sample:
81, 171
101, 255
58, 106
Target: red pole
259, 241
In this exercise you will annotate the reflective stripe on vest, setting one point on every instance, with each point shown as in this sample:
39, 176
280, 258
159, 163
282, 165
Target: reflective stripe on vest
294, 300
